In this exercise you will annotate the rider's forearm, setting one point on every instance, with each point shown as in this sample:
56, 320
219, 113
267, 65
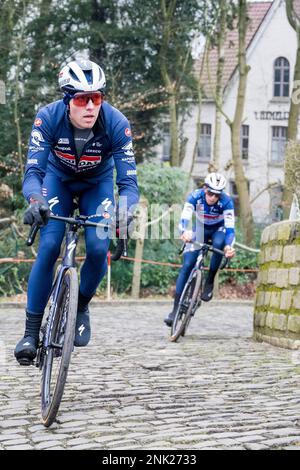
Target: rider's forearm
229, 237
32, 184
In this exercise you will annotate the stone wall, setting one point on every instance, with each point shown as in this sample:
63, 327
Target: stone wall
277, 304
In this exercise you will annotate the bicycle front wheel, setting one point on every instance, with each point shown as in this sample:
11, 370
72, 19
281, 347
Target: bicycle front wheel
60, 333
187, 306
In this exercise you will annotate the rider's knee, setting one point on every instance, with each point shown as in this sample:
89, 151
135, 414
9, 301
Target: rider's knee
96, 251
49, 249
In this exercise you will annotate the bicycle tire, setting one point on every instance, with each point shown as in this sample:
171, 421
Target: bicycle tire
61, 324
196, 300
187, 306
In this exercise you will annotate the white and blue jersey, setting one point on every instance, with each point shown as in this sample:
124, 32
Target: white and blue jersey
211, 218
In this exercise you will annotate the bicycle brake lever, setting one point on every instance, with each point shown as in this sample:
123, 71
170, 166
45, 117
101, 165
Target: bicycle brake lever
182, 249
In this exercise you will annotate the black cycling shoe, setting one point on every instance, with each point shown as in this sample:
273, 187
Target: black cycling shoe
25, 351
170, 318
207, 293
83, 328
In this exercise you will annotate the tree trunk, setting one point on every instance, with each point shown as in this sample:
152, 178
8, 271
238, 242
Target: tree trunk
167, 14
198, 123
175, 160
240, 179
215, 163
20, 48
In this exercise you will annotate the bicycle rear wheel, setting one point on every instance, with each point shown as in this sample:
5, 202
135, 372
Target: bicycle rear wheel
60, 332
187, 306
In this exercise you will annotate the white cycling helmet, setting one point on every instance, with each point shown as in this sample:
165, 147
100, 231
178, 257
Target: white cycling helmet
81, 75
215, 182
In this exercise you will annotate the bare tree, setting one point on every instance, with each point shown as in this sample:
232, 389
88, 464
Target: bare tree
20, 46
235, 127
220, 38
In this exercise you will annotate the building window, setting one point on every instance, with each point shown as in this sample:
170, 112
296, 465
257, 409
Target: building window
278, 144
166, 143
204, 147
245, 142
281, 77
276, 209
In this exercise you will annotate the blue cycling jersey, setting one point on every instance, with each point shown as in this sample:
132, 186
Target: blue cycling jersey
52, 145
220, 214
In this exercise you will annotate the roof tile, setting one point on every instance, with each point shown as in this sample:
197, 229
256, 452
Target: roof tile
256, 12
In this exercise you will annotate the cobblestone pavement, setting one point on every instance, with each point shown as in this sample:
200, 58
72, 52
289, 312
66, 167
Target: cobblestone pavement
134, 389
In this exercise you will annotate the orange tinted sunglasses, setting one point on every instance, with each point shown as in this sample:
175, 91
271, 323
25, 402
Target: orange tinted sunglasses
82, 99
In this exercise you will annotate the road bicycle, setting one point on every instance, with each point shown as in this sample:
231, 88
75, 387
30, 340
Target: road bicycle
190, 299
57, 333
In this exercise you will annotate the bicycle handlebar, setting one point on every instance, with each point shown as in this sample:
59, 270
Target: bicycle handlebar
81, 221
207, 247
204, 246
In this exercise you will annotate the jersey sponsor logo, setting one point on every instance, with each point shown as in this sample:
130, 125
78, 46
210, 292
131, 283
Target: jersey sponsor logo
52, 202
128, 146
71, 246
128, 149
32, 161
36, 137
94, 151
127, 132
106, 204
63, 140
66, 158
229, 218
87, 161
128, 159
131, 172
64, 82
35, 149
64, 148
38, 122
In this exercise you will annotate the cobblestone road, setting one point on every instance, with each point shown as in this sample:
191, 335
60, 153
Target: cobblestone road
133, 389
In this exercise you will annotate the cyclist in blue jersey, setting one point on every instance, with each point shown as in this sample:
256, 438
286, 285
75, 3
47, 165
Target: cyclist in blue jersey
74, 146
214, 214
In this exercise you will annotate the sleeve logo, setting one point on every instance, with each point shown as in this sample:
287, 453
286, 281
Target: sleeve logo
36, 137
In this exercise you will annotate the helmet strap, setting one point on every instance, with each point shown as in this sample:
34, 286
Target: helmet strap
67, 98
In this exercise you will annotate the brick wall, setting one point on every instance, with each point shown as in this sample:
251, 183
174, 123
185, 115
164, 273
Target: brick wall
277, 304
